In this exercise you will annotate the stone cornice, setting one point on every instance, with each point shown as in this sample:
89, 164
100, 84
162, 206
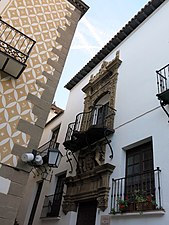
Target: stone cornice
80, 5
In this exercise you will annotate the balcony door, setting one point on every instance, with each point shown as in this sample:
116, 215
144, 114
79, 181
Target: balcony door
139, 171
102, 113
87, 213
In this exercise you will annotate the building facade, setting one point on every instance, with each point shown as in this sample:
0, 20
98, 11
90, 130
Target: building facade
35, 38
113, 133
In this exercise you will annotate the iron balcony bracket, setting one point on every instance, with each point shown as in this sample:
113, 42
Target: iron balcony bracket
75, 160
162, 105
108, 142
69, 160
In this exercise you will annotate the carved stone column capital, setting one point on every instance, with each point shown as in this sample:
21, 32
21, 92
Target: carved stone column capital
68, 206
103, 202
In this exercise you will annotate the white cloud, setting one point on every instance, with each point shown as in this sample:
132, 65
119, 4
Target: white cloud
84, 43
94, 33
89, 38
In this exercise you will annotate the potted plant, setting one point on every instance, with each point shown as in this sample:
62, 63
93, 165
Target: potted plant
144, 202
151, 203
123, 204
140, 201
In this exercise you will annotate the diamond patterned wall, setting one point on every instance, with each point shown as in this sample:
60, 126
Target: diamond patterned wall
39, 19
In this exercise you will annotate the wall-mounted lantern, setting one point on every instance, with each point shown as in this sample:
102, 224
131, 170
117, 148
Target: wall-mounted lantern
36, 159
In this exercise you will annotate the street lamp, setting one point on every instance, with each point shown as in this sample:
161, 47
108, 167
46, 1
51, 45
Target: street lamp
54, 157
36, 159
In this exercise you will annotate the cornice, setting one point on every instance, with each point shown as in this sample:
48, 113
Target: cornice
80, 5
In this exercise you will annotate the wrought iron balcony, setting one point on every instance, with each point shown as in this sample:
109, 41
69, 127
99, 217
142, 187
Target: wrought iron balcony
89, 127
51, 205
15, 48
140, 192
163, 84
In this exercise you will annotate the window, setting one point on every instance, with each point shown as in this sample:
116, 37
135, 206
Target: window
139, 183
99, 114
52, 203
102, 113
140, 189
58, 195
139, 159
54, 137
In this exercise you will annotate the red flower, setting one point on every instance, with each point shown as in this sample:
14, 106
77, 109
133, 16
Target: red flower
149, 198
122, 206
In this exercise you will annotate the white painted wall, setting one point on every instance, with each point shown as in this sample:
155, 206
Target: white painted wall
47, 133
138, 113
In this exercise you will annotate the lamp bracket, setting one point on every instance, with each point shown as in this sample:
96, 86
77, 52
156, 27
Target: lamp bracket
162, 103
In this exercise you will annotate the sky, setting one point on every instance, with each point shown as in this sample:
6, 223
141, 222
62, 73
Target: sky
101, 22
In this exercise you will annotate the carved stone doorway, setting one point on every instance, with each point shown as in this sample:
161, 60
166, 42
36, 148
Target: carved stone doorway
87, 213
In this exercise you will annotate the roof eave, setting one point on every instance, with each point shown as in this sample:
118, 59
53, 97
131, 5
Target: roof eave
136, 21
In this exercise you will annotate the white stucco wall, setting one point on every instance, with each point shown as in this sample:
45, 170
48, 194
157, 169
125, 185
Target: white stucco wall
138, 113
47, 133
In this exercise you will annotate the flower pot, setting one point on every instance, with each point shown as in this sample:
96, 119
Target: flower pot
144, 206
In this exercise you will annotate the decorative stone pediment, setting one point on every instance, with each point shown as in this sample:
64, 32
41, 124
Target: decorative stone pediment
92, 184
104, 82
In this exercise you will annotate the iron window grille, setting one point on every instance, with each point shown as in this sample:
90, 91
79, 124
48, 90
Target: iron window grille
143, 195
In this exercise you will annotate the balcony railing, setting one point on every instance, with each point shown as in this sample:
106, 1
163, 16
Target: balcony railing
51, 205
163, 87
14, 43
163, 79
86, 120
140, 192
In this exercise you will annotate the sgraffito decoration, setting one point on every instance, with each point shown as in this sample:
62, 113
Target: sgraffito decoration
38, 19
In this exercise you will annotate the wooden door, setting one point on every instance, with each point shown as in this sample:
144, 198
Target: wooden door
87, 213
